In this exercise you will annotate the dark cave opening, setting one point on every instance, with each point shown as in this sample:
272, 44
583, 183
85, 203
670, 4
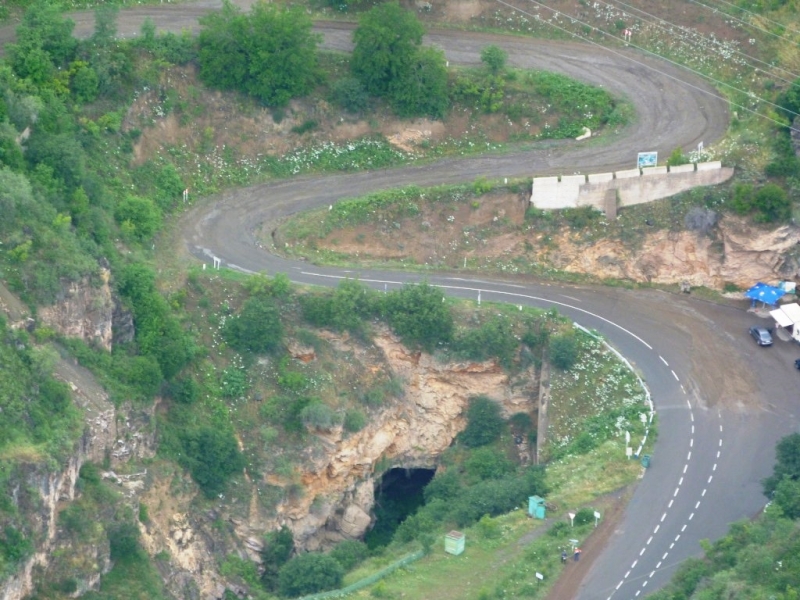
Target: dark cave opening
398, 495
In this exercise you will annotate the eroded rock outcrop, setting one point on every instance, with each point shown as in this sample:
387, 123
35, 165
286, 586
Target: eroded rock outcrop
735, 253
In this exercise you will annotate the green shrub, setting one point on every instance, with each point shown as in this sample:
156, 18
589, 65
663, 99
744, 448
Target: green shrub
277, 549
233, 382
584, 516
354, 420
677, 158
520, 423
560, 529
772, 204
257, 328
581, 217
489, 528
493, 339
212, 455
349, 553
446, 485
419, 315
563, 351
488, 463
184, 390
305, 127
309, 573
319, 415
349, 93
485, 422
124, 541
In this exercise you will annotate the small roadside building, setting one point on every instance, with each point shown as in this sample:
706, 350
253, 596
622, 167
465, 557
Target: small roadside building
787, 317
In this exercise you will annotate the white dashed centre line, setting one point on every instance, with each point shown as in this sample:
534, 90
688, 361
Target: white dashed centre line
662, 360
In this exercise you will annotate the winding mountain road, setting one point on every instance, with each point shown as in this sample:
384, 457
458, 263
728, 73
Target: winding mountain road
722, 403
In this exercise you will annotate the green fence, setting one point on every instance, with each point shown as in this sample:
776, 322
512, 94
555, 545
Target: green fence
362, 583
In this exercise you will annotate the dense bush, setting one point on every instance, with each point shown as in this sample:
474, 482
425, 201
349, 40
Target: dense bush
257, 328
308, 574
350, 94
270, 53
319, 416
493, 339
787, 463
349, 553
488, 462
124, 541
769, 203
343, 310
563, 351
354, 420
212, 455
277, 549
419, 315
485, 422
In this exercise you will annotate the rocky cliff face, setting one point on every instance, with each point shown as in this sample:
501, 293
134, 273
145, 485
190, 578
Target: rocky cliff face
90, 312
411, 432
735, 253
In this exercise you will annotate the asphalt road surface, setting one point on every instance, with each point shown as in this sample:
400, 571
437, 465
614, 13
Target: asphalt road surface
722, 402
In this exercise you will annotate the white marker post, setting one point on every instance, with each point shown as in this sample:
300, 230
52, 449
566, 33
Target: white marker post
596, 518
479, 297
185, 195
217, 263
572, 520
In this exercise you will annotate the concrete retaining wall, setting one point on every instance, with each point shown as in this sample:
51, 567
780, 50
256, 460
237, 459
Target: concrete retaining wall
633, 186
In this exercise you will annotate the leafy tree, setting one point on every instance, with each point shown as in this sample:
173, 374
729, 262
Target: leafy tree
485, 422
386, 42
138, 217
212, 456
494, 58
787, 496
269, 53
421, 89
16, 198
419, 315
563, 351
62, 153
44, 43
257, 328
309, 573
278, 548
787, 463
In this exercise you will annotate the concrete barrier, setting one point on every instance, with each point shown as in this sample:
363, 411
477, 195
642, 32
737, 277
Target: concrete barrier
654, 171
627, 174
629, 187
600, 177
682, 168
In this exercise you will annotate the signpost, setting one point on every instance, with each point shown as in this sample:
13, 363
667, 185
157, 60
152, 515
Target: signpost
596, 518
646, 159
571, 519
539, 577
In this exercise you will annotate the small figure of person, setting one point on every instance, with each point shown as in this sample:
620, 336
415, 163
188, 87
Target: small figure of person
563, 556
577, 555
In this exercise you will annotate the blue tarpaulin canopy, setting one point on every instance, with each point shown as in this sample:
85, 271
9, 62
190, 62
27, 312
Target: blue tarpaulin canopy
764, 293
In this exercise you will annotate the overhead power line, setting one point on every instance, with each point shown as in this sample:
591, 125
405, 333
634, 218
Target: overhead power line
745, 23
633, 60
715, 41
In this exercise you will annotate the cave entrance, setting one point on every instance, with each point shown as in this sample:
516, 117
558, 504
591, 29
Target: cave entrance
398, 495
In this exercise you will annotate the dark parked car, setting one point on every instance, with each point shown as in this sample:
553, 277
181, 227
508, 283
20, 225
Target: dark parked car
761, 335
797, 364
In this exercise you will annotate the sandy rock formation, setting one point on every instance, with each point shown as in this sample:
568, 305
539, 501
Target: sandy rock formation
410, 432
740, 254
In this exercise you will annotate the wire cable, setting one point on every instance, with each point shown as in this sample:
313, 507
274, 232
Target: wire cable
745, 23
631, 59
712, 40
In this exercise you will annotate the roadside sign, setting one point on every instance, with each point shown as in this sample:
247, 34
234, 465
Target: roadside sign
646, 159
